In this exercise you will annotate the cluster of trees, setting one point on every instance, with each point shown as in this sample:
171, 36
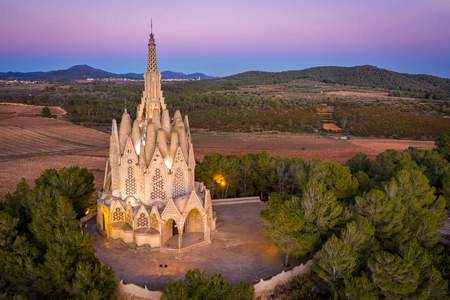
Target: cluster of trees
252, 174
242, 111
199, 285
375, 120
44, 253
262, 174
371, 226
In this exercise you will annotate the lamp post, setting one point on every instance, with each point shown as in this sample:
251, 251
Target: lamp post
220, 180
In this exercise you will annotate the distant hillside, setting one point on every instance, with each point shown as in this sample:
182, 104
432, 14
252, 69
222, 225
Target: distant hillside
80, 72
422, 86
362, 76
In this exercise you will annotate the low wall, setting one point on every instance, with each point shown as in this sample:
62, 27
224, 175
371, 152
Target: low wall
129, 291
240, 200
263, 288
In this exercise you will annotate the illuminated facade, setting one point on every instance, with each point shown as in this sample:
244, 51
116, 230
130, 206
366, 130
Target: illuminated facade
150, 196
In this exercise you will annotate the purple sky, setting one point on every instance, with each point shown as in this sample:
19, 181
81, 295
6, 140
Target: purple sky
225, 37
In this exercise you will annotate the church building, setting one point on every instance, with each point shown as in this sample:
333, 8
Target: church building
150, 196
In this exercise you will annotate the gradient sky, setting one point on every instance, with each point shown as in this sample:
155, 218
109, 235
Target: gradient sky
225, 37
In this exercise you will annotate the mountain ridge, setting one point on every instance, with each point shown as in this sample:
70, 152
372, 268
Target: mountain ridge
366, 76
80, 72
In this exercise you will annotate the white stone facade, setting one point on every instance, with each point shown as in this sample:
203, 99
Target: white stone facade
149, 193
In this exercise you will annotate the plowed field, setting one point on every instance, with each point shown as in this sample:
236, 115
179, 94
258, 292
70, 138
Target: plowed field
29, 144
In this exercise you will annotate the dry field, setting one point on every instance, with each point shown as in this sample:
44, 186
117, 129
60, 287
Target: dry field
30, 144
307, 146
19, 109
361, 93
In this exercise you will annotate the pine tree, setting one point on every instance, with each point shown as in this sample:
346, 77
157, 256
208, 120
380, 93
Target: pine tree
75, 183
337, 178
359, 288
285, 224
336, 259
359, 162
393, 275
321, 207
388, 163
424, 212
385, 213
443, 145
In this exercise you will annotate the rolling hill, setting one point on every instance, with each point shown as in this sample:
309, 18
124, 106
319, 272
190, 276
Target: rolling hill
80, 72
366, 76
361, 76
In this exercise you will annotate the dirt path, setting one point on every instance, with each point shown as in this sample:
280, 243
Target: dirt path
326, 115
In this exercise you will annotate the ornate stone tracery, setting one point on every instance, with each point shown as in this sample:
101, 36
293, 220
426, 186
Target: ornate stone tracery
118, 215
179, 183
142, 220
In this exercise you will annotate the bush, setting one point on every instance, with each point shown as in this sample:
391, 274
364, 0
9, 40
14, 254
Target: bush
199, 285
46, 113
443, 145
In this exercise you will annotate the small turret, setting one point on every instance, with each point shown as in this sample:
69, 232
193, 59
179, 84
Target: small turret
114, 140
156, 119
165, 122
182, 140
124, 130
136, 136
177, 116
173, 144
161, 141
150, 142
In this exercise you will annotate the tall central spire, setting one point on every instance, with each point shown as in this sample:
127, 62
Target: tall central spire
152, 66
152, 97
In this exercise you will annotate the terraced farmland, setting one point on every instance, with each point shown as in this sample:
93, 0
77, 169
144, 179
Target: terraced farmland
32, 136
31, 144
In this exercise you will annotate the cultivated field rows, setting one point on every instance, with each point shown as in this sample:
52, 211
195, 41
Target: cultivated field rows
29, 145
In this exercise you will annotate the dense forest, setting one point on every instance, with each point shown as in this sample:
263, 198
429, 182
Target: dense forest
372, 226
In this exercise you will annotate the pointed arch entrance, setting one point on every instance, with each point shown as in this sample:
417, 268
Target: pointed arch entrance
171, 234
194, 228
